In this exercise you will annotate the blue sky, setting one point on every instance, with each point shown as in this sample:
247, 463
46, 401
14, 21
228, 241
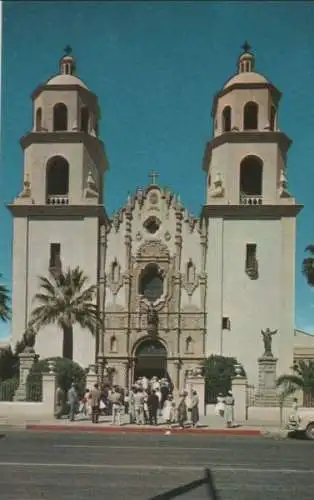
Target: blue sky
155, 67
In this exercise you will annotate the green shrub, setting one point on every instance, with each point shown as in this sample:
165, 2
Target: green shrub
9, 364
67, 372
218, 373
8, 388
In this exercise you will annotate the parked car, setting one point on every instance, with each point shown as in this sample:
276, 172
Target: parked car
302, 421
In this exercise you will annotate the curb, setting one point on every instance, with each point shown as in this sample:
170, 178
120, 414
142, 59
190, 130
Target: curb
135, 430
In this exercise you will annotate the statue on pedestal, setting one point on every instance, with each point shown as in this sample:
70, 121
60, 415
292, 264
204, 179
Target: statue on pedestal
267, 339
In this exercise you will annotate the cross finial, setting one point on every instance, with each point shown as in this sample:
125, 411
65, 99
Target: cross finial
68, 50
153, 176
246, 46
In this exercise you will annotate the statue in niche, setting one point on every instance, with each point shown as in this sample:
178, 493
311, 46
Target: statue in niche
267, 340
189, 345
190, 274
152, 318
113, 344
115, 272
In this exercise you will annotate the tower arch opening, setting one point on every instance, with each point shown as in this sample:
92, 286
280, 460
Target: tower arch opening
60, 117
38, 119
272, 118
151, 283
84, 119
226, 119
250, 116
251, 176
150, 358
57, 179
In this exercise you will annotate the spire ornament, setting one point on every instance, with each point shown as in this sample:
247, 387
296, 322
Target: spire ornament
246, 47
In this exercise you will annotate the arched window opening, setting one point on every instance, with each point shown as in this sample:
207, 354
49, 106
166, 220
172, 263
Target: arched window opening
152, 224
60, 117
250, 118
151, 284
84, 119
57, 179
38, 123
272, 118
113, 344
251, 176
226, 119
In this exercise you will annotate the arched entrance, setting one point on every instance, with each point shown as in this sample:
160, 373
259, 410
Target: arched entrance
150, 359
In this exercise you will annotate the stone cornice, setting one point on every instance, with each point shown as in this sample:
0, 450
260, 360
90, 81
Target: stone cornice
250, 212
276, 94
55, 211
249, 137
66, 137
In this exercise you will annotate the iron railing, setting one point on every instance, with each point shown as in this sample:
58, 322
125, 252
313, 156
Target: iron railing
8, 388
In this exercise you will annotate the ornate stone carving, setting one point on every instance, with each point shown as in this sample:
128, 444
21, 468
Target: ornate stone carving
217, 191
139, 236
115, 277
190, 279
153, 198
116, 220
153, 250
167, 236
152, 320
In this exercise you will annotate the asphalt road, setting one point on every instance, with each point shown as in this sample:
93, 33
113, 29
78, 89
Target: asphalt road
63, 466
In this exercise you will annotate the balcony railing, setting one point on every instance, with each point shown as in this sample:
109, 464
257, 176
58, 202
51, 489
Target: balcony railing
57, 199
252, 200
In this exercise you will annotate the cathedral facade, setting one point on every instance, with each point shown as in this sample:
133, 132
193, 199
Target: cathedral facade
172, 288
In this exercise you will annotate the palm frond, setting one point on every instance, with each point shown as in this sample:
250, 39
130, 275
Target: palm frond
294, 380
66, 299
5, 311
308, 266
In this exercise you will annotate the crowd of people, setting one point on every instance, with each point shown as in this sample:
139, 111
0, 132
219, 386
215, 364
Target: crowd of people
147, 402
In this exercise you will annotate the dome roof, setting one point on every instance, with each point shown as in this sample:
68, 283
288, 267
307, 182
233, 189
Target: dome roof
64, 79
246, 77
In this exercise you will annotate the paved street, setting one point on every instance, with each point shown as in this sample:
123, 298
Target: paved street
116, 467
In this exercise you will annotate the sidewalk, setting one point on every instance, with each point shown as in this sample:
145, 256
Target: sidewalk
212, 425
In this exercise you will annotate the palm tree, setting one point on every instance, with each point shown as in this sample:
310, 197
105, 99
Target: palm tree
302, 378
308, 265
5, 311
65, 299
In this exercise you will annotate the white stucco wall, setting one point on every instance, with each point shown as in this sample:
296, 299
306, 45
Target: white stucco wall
251, 305
78, 238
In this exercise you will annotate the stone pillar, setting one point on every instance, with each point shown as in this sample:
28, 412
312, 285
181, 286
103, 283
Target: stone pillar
124, 378
197, 383
27, 359
172, 372
266, 393
49, 386
239, 391
267, 373
91, 377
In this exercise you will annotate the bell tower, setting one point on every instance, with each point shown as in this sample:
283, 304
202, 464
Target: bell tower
57, 215
251, 221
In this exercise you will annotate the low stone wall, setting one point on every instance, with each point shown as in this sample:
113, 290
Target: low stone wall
26, 410
269, 414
